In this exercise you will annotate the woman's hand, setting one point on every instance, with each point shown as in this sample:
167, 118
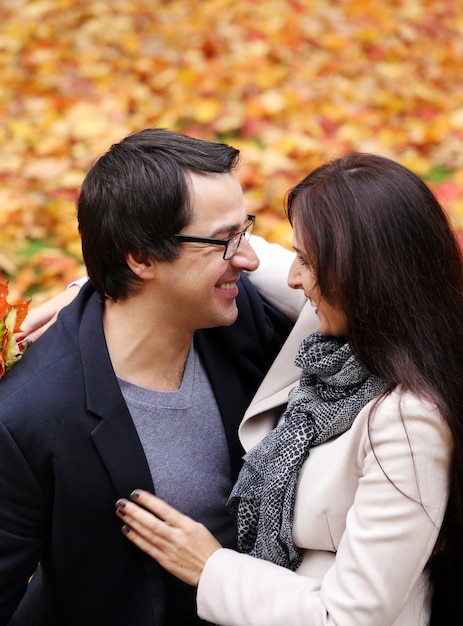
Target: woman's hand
39, 319
178, 543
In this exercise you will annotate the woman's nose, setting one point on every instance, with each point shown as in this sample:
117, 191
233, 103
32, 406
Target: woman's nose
294, 277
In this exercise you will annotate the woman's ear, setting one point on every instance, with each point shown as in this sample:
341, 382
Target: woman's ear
143, 269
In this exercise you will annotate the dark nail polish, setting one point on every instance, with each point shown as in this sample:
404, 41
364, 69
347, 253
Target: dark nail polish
135, 494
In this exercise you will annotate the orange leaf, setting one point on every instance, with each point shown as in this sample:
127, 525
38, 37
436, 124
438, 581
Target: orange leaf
3, 302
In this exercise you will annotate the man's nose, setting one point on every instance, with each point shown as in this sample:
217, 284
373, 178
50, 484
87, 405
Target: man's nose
245, 257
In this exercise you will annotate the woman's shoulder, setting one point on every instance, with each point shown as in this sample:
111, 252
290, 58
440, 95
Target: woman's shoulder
407, 417
405, 403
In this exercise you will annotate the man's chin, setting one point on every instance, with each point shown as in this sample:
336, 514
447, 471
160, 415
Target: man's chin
227, 318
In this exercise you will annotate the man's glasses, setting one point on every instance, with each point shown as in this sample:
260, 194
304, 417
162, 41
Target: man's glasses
231, 244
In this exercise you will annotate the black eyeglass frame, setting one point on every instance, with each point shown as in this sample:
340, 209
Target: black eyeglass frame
247, 230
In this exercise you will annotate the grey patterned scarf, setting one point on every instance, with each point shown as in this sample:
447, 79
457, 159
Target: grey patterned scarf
333, 388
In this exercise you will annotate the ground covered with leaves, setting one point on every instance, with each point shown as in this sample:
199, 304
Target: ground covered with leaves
290, 83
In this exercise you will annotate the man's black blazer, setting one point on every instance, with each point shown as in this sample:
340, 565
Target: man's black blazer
69, 450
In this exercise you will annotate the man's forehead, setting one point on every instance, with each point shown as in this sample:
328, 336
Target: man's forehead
198, 180
217, 199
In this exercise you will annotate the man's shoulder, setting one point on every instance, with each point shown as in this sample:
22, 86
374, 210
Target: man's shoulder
52, 363
246, 290
254, 310
249, 298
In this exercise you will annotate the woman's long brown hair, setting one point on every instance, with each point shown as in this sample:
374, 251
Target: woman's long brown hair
384, 251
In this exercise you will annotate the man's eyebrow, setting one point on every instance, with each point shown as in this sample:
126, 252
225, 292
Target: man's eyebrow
234, 228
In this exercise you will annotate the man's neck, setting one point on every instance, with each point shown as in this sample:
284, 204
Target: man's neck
145, 349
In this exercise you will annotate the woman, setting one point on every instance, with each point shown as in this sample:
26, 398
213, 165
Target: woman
354, 503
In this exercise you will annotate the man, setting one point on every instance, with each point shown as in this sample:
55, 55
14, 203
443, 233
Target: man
142, 382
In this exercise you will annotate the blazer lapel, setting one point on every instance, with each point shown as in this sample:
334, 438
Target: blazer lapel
115, 436
228, 391
117, 442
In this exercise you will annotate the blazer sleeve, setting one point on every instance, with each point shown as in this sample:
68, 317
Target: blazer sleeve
24, 510
390, 531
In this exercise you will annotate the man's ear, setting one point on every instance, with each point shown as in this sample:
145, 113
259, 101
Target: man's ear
143, 269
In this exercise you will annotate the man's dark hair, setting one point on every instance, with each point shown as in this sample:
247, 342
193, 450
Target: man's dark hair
136, 197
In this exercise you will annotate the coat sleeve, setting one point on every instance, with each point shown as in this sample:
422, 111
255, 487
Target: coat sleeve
390, 531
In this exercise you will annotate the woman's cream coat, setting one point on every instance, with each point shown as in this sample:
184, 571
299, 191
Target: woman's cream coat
368, 509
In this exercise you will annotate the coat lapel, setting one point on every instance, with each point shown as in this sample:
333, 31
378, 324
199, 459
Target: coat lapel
272, 395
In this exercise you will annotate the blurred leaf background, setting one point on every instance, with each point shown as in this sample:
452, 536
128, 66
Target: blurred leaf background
290, 83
